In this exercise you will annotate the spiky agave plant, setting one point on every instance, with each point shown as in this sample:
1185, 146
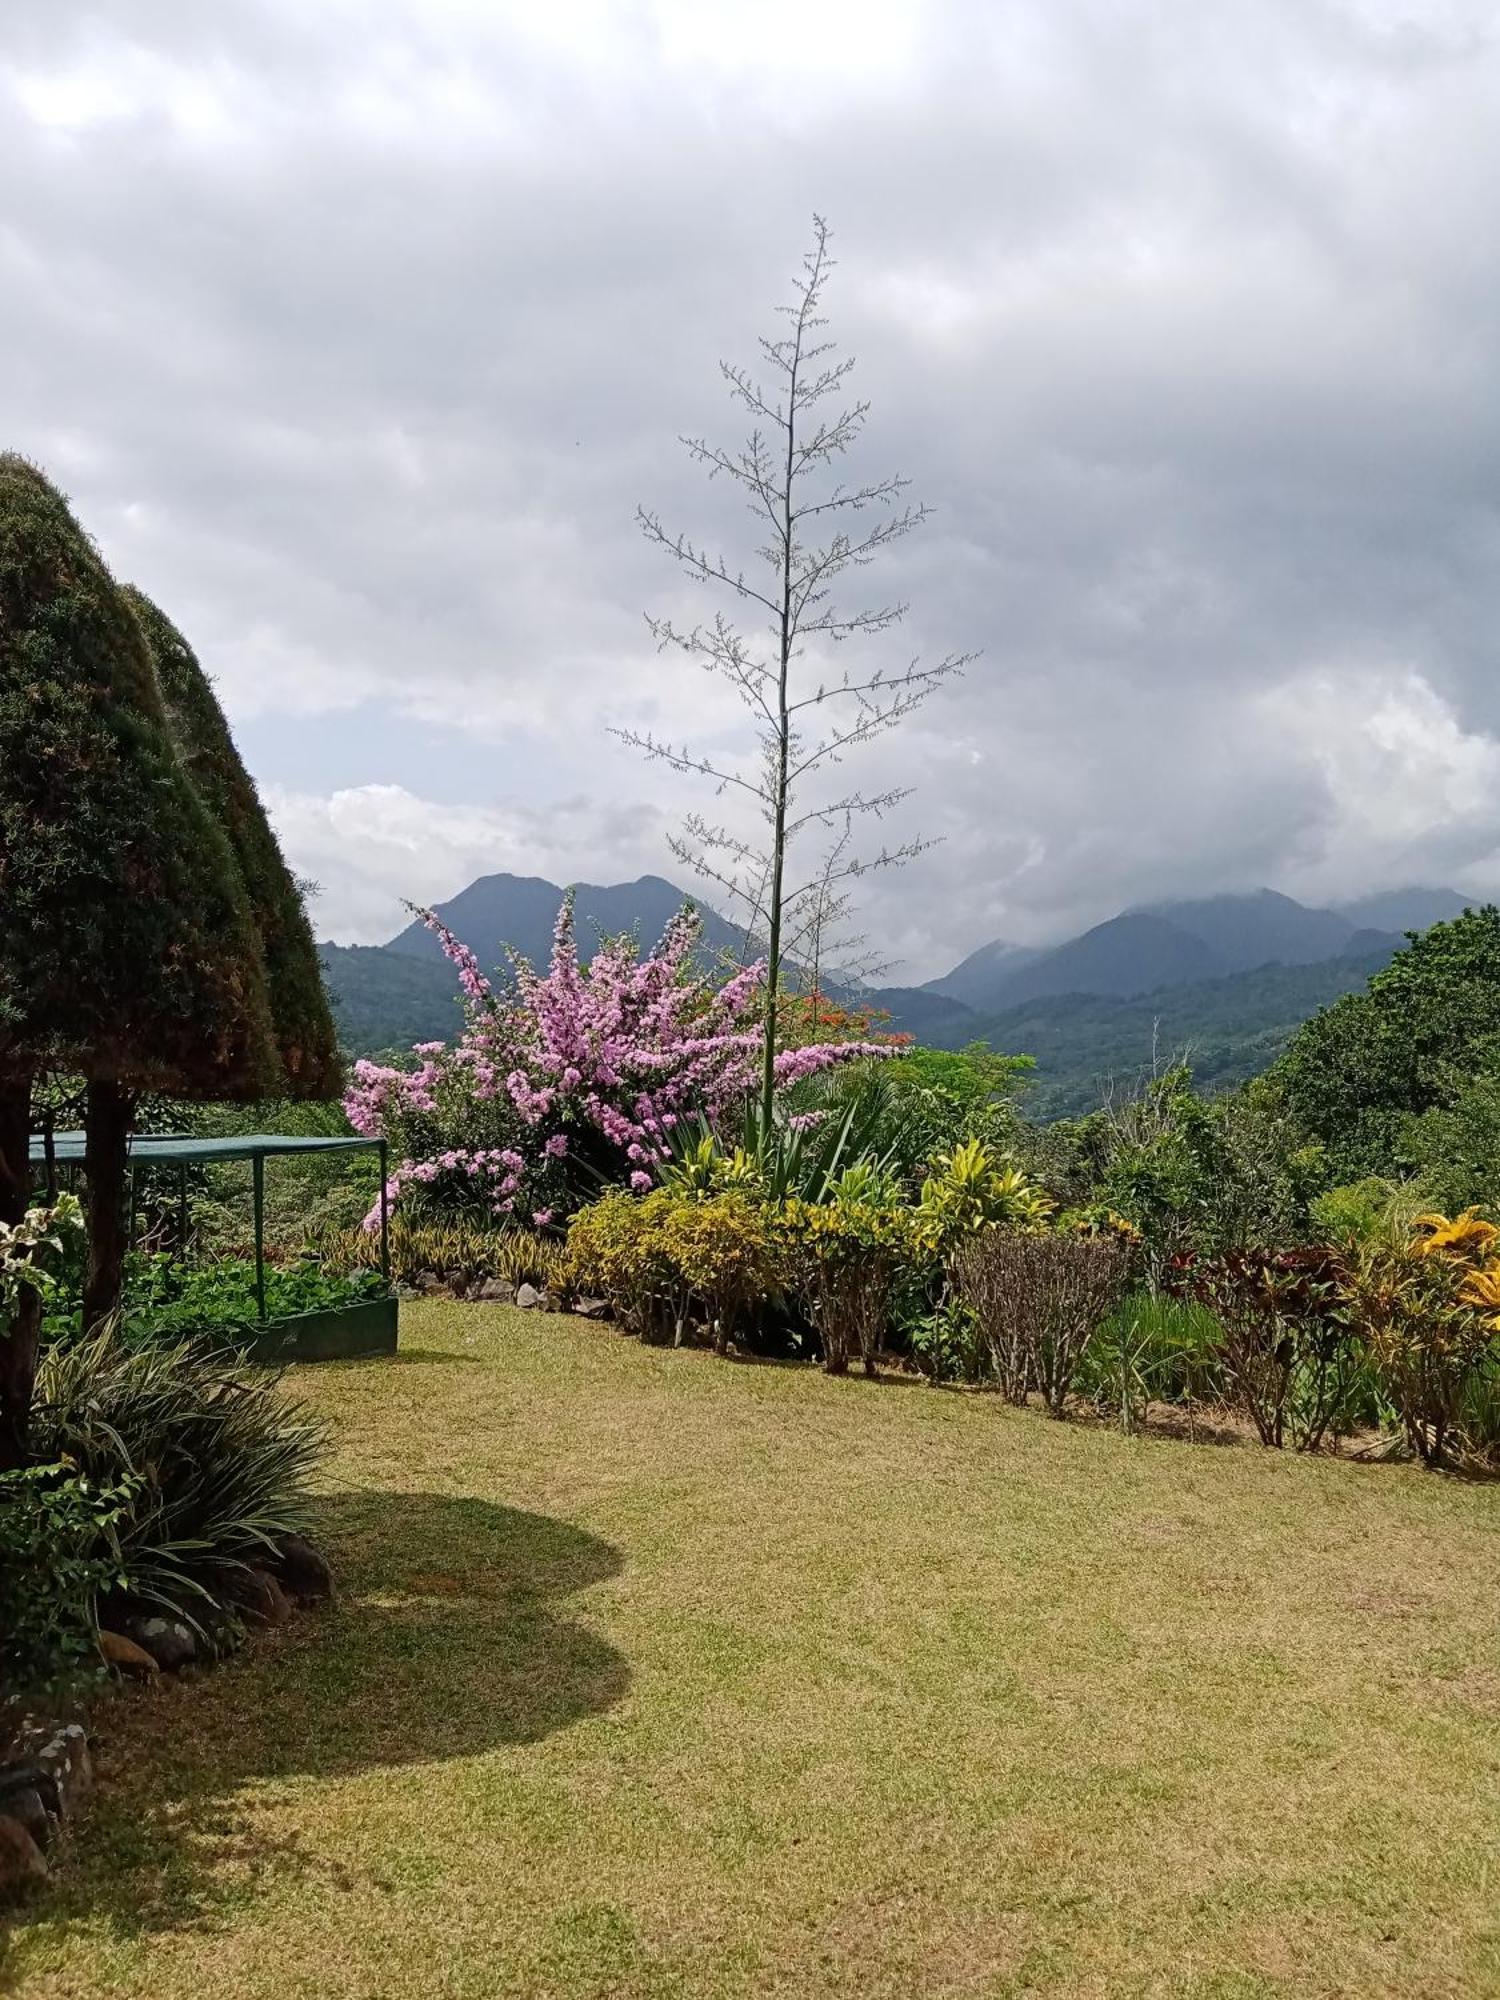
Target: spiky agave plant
218, 1457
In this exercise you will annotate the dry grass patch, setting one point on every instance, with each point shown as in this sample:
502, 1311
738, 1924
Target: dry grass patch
655, 1675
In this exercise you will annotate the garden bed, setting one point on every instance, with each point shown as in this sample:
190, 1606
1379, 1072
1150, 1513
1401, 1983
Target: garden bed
362, 1329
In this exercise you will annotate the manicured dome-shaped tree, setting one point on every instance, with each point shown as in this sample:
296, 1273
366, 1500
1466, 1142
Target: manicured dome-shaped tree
302, 1027
128, 952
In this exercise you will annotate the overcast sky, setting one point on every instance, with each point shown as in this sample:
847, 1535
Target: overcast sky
356, 331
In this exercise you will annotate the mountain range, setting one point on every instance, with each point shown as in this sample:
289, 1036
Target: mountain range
1228, 976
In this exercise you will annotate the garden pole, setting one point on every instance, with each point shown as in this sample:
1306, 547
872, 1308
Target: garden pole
182, 1210
385, 1223
258, 1187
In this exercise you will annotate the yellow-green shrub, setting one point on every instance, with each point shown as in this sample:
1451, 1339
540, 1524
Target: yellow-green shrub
617, 1247
844, 1257
723, 1255
972, 1188
1425, 1300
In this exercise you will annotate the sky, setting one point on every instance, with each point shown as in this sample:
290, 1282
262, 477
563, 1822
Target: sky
357, 332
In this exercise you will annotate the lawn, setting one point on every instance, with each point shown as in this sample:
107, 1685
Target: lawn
657, 1674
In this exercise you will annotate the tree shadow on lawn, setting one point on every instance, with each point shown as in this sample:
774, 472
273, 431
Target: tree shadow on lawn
444, 1642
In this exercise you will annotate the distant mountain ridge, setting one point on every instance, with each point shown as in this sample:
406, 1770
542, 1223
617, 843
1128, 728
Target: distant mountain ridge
1160, 945
519, 913
1230, 976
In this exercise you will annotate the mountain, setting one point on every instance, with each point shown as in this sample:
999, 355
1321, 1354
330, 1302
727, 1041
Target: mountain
974, 980
1132, 953
384, 999
1180, 943
520, 911
388, 996
1407, 909
1230, 1029
1264, 928
1228, 977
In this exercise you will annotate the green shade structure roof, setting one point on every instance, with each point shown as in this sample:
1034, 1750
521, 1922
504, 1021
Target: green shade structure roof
181, 1150
147, 1149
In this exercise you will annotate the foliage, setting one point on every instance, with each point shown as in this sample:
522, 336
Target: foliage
578, 1082
1038, 1299
127, 946
1284, 1345
462, 1250
32, 1249
59, 1553
1151, 1348
1425, 1301
167, 1301
1359, 1071
968, 1190
1186, 1173
217, 1457
945, 1341
1453, 1148
1359, 1210
796, 1154
843, 1257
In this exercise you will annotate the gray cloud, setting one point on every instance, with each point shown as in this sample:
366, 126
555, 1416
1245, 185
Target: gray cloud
357, 331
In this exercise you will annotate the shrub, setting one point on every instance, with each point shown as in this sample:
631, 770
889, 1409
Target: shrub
973, 1188
59, 1553
1426, 1304
722, 1254
1038, 1300
216, 1455
617, 1246
1284, 1346
844, 1257
1151, 1348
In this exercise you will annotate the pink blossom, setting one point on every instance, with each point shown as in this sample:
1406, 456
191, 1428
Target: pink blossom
615, 1053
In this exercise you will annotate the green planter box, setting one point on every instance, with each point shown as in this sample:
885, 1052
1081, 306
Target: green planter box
339, 1333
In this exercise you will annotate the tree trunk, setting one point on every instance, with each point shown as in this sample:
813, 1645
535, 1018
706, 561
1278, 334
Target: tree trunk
18, 1334
107, 1121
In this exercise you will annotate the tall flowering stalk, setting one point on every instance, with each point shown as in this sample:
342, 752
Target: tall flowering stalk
575, 1080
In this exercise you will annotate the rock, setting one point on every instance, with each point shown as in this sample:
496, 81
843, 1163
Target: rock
25, 1807
261, 1597
22, 1863
427, 1281
528, 1298
591, 1308
169, 1642
127, 1656
497, 1292
302, 1571
67, 1772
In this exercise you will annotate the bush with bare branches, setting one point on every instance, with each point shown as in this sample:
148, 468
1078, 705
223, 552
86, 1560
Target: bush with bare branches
1038, 1300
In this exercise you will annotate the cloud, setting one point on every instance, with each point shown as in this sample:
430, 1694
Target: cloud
372, 849
358, 331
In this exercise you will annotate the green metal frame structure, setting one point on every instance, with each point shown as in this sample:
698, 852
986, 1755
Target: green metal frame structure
67, 1149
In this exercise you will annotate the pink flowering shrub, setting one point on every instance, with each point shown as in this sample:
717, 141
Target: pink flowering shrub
574, 1082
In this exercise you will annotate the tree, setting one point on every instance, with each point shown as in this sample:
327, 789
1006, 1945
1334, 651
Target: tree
304, 1045
576, 1081
127, 950
1359, 1071
151, 938
806, 719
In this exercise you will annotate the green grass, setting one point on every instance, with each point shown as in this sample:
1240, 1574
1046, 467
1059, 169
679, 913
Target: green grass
656, 1674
